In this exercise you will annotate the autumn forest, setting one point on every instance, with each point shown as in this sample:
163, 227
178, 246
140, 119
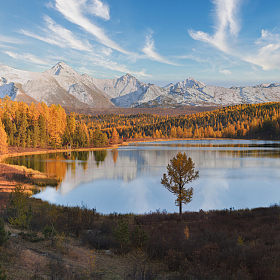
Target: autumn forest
42, 126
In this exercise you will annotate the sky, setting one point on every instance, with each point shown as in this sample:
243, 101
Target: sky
218, 42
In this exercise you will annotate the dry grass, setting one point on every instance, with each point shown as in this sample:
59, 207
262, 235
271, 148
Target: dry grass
65, 259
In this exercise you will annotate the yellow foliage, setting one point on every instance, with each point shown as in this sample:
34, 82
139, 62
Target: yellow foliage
3, 140
187, 232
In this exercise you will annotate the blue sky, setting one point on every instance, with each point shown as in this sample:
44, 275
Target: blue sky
218, 42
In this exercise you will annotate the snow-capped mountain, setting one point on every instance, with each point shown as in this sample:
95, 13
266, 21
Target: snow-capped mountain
127, 91
58, 85
191, 82
192, 92
63, 85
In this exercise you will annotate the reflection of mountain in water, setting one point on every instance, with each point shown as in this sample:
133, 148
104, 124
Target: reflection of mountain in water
148, 160
99, 166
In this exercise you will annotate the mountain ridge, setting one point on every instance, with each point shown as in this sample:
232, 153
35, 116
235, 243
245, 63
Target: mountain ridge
62, 85
58, 85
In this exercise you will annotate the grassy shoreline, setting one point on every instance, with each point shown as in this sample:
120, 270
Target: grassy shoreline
219, 244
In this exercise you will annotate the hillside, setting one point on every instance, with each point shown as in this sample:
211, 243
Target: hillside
59, 85
63, 85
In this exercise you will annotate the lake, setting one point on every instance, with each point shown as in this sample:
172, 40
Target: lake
232, 174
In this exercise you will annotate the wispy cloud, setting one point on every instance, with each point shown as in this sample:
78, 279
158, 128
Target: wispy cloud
75, 10
226, 25
107, 51
225, 72
27, 57
194, 58
57, 35
109, 64
91, 62
141, 74
99, 9
10, 40
151, 53
266, 53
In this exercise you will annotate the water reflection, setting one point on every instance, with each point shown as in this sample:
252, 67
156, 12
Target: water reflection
235, 174
100, 156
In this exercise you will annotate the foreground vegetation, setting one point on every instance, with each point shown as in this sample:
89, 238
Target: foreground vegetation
227, 244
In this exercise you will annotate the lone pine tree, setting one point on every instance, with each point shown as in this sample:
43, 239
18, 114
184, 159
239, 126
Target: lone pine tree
180, 172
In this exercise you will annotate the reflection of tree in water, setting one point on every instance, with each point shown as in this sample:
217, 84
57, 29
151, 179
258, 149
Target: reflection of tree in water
100, 156
115, 154
57, 167
84, 164
82, 157
73, 168
261, 153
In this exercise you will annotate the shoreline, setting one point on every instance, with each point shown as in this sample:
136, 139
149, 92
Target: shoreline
36, 151
7, 185
129, 141
52, 151
10, 174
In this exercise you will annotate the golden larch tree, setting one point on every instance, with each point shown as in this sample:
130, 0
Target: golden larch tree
56, 124
180, 172
115, 136
3, 140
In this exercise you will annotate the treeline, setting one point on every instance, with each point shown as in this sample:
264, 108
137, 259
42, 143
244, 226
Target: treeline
241, 121
43, 126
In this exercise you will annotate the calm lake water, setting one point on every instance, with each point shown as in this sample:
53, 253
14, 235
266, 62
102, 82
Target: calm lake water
232, 174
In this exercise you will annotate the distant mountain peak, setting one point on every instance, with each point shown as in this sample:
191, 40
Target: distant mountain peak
127, 78
190, 82
127, 75
63, 85
61, 69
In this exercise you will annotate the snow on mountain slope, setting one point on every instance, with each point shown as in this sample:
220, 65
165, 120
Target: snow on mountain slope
127, 91
190, 82
124, 85
192, 92
17, 76
58, 85
63, 85
8, 89
61, 69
